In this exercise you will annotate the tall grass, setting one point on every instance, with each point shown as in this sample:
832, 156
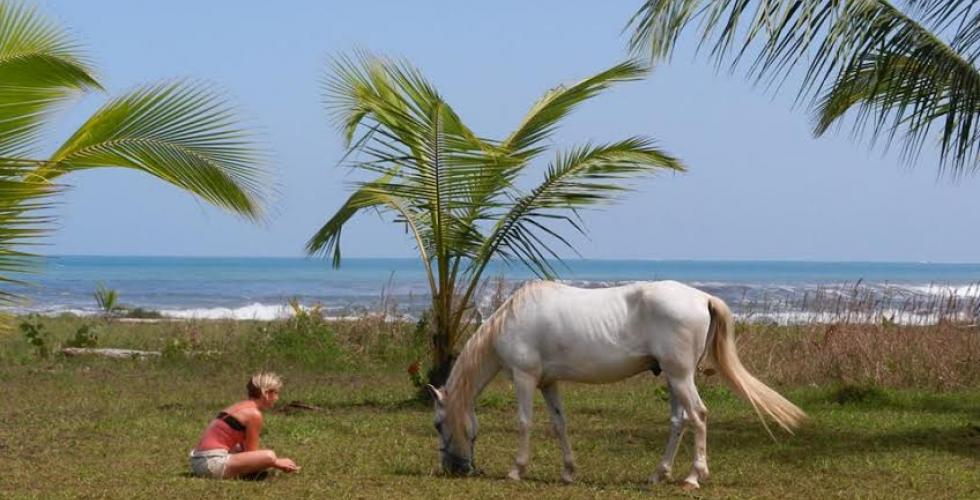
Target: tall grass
942, 356
861, 337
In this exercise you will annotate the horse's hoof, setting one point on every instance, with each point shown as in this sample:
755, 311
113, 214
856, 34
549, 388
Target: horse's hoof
659, 477
514, 475
690, 486
567, 478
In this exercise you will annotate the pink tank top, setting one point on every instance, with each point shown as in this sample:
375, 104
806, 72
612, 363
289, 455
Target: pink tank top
224, 432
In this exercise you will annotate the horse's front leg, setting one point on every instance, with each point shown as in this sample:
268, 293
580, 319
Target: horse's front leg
553, 400
524, 385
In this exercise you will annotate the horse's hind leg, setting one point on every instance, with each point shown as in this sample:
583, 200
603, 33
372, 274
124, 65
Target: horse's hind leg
553, 400
697, 418
524, 385
677, 426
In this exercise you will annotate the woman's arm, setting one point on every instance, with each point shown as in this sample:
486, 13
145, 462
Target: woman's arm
252, 430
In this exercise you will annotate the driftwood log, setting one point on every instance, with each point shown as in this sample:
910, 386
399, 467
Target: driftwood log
108, 353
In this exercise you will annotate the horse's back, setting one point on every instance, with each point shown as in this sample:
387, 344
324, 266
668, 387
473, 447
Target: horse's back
599, 335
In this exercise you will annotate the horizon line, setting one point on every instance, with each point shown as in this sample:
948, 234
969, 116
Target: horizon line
572, 259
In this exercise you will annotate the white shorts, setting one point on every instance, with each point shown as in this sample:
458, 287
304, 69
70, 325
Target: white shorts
209, 463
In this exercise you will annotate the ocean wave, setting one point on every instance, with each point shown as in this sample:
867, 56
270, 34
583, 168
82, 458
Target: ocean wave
254, 311
895, 316
962, 291
271, 312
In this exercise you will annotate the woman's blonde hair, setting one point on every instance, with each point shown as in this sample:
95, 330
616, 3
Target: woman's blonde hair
262, 382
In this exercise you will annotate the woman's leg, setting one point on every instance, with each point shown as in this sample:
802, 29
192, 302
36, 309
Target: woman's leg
248, 462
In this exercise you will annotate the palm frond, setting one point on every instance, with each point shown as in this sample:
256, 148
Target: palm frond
541, 121
25, 199
40, 66
184, 134
580, 178
897, 92
397, 125
848, 44
376, 194
326, 241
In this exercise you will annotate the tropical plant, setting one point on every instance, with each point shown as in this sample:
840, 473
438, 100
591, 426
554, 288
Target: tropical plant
457, 192
33, 330
86, 336
107, 299
180, 132
24, 198
906, 68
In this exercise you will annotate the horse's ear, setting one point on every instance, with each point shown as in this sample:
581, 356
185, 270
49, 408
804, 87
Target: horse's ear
436, 394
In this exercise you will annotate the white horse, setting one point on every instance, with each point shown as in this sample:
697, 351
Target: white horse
548, 332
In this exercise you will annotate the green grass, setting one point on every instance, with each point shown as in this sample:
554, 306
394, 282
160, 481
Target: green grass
122, 429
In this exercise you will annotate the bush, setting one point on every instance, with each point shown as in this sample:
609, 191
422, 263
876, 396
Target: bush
140, 313
85, 336
850, 394
34, 333
305, 338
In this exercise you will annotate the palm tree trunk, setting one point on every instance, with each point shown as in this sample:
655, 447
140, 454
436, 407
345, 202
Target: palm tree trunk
442, 351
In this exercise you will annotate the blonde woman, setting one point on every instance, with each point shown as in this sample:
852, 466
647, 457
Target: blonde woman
229, 446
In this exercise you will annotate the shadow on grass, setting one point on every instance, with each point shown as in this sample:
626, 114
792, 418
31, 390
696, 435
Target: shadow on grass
257, 476
874, 399
817, 440
617, 484
373, 405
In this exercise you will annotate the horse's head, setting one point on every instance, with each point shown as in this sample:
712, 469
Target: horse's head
457, 436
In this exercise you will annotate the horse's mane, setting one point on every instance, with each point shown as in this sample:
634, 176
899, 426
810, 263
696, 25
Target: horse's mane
460, 388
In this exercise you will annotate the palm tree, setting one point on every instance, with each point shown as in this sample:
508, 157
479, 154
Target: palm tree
456, 192
24, 199
906, 68
181, 132
107, 299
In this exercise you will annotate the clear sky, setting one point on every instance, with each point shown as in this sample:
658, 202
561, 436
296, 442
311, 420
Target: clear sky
760, 186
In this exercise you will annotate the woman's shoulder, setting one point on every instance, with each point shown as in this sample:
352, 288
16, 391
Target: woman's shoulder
245, 411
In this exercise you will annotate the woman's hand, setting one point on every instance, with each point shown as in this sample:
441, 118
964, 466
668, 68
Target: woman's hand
286, 465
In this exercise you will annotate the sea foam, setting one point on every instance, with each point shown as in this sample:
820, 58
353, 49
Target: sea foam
254, 311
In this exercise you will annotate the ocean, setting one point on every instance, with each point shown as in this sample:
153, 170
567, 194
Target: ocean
259, 288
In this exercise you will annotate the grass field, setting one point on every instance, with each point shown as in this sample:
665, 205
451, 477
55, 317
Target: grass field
108, 428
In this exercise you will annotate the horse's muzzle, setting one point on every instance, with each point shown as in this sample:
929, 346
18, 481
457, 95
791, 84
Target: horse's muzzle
455, 466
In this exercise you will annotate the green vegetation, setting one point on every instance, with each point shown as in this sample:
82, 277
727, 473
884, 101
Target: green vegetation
35, 335
107, 299
457, 193
182, 133
905, 68
122, 428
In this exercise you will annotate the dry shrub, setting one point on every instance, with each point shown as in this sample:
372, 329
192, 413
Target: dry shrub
943, 356
372, 334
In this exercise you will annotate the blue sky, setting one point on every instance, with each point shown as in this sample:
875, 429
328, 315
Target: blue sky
759, 187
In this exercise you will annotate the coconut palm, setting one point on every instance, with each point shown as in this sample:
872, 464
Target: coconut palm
107, 299
180, 132
907, 68
24, 199
457, 193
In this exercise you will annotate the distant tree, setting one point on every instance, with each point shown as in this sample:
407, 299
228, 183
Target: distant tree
457, 192
182, 133
906, 68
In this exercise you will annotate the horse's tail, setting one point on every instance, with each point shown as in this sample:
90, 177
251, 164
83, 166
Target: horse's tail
761, 397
